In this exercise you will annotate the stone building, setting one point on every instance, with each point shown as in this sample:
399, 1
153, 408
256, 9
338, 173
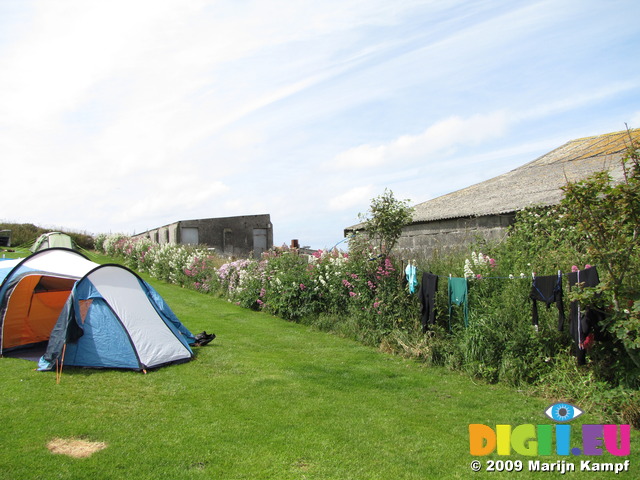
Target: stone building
484, 211
240, 236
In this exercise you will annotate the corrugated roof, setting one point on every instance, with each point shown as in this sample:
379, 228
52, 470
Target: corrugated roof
535, 183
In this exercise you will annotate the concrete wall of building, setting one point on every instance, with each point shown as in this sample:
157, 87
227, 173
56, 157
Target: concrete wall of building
233, 236
238, 236
162, 235
423, 240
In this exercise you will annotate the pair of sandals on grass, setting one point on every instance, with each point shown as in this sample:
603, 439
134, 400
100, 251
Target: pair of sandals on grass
204, 338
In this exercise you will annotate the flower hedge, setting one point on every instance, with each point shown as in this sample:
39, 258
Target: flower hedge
184, 265
283, 282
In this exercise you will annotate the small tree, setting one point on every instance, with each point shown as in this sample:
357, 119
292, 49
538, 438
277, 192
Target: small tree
385, 220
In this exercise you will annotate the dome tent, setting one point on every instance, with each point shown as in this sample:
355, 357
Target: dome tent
107, 316
52, 240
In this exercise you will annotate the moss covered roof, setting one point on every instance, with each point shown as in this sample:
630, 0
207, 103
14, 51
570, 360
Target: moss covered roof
536, 183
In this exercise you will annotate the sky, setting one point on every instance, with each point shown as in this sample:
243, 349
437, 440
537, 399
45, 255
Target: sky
122, 116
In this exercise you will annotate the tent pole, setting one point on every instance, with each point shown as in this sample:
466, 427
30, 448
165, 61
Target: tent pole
59, 373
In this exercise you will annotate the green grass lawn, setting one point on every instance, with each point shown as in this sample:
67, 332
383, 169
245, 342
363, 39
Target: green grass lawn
267, 399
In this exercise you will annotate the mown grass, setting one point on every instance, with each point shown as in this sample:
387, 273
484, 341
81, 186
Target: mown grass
267, 399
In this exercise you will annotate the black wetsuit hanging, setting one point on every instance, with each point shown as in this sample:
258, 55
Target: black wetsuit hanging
583, 318
427, 295
547, 289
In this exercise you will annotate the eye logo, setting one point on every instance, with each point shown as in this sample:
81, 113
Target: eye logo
563, 412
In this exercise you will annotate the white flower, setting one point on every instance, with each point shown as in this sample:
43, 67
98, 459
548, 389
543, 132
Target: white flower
468, 272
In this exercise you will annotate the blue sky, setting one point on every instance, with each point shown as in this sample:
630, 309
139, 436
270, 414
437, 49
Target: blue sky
122, 116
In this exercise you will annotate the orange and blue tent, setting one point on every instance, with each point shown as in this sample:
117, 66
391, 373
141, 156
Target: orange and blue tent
102, 316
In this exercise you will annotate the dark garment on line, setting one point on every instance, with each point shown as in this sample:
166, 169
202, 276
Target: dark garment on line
547, 289
427, 295
583, 319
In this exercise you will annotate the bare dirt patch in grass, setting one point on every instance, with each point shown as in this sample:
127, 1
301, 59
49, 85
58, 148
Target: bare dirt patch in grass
74, 447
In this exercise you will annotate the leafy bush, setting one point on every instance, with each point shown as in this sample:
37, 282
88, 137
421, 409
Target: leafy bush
385, 220
607, 215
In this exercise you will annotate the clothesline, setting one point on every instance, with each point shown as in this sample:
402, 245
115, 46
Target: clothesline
547, 289
522, 276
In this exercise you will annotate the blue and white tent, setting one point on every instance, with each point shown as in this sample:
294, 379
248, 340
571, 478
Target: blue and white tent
107, 316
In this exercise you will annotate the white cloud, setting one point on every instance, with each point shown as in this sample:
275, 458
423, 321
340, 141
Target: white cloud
168, 198
351, 198
441, 137
68, 49
364, 156
577, 100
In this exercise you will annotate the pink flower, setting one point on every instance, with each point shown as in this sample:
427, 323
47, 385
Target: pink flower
479, 276
302, 286
388, 265
352, 294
